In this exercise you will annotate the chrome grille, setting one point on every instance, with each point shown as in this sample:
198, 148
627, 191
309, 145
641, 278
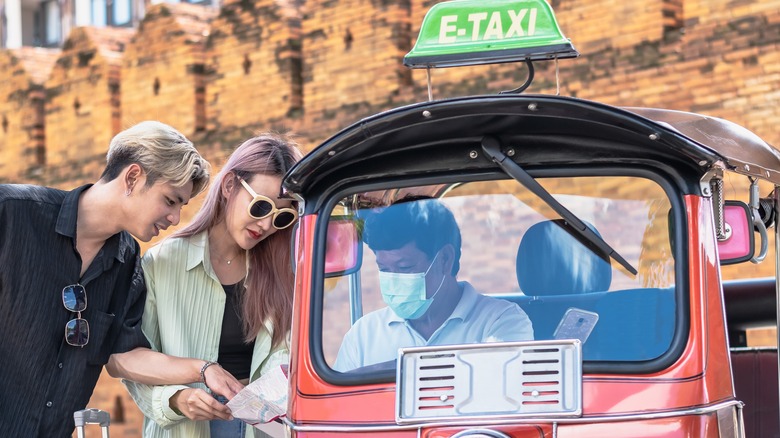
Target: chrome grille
516, 379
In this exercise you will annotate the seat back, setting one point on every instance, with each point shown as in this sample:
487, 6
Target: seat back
553, 261
755, 384
634, 325
557, 270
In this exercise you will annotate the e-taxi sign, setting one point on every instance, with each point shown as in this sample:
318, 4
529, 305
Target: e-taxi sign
471, 32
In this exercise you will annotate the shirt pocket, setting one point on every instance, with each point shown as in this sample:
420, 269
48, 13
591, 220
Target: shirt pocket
99, 348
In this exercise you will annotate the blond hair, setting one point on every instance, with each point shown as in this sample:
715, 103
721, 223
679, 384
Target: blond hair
162, 152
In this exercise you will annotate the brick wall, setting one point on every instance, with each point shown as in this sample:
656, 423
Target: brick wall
314, 67
254, 66
351, 59
82, 95
163, 68
22, 98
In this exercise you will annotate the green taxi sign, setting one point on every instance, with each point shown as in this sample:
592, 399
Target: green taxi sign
471, 32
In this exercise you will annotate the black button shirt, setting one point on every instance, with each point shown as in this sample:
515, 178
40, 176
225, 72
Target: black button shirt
43, 380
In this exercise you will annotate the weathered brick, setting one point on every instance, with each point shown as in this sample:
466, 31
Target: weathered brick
163, 68
312, 68
254, 65
82, 95
351, 58
22, 136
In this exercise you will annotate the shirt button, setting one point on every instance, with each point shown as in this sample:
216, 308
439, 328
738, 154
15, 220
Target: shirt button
48, 404
59, 365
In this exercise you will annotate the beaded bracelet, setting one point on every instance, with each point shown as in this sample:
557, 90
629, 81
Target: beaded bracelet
203, 372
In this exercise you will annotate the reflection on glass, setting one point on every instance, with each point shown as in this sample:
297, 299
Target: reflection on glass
510, 270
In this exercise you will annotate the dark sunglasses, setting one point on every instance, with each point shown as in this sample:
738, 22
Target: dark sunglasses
74, 298
262, 206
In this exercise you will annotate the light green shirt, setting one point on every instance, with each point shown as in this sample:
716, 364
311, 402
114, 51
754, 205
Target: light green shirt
185, 304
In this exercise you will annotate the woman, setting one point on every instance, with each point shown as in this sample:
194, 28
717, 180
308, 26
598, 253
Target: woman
220, 290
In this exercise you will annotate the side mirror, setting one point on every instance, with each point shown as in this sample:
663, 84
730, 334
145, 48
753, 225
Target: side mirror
739, 244
343, 246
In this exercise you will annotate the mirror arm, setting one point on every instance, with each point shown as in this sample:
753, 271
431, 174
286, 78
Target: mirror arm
758, 223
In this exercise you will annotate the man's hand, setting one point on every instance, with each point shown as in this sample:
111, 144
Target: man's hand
197, 404
221, 382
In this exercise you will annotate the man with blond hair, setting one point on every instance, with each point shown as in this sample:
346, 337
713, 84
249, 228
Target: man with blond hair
71, 288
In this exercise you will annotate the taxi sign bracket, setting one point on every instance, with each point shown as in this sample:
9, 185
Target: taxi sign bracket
527, 83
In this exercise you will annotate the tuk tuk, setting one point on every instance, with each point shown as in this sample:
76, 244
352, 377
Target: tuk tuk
568, 271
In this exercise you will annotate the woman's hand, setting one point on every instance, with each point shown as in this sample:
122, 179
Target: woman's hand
197, 404
221, 382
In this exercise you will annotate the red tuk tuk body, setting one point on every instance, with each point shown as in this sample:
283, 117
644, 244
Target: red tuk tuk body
686, 391
603, 228
698, 382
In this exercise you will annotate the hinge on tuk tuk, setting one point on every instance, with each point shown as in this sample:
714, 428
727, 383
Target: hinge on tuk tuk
712, 187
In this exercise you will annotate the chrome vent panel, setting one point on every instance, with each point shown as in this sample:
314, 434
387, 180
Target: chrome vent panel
507, 380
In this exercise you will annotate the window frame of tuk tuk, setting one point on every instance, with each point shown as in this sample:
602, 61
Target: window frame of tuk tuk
663, 176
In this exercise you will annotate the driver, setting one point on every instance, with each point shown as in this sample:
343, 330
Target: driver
417, 246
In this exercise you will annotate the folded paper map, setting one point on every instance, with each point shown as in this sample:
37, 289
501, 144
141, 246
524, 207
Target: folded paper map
263, 400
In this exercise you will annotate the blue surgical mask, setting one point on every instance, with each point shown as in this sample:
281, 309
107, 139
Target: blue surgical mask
406, 294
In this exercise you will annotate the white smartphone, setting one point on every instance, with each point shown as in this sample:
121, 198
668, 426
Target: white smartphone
576, 324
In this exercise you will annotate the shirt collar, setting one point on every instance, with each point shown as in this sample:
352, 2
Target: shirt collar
468, 301
67, 221
466, 304
198, 251
69, 211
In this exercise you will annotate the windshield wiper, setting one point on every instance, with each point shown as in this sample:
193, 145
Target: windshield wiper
492, 147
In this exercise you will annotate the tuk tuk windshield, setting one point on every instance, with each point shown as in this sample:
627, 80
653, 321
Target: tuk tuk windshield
488, 261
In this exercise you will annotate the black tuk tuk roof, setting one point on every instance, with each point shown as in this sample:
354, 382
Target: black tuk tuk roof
543, 130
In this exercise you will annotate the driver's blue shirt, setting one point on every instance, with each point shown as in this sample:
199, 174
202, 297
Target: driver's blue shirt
377, 336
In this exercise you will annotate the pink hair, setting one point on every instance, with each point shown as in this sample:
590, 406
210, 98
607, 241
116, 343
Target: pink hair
269, 284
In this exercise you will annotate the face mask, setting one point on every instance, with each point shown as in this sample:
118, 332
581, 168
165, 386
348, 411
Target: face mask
405, 294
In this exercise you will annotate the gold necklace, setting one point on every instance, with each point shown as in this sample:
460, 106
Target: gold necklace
230, 260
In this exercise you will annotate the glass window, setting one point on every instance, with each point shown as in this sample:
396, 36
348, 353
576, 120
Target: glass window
52, 14
120, 12
46, 24
3, 27
82, 13
489, 262
99, 16
104, 13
